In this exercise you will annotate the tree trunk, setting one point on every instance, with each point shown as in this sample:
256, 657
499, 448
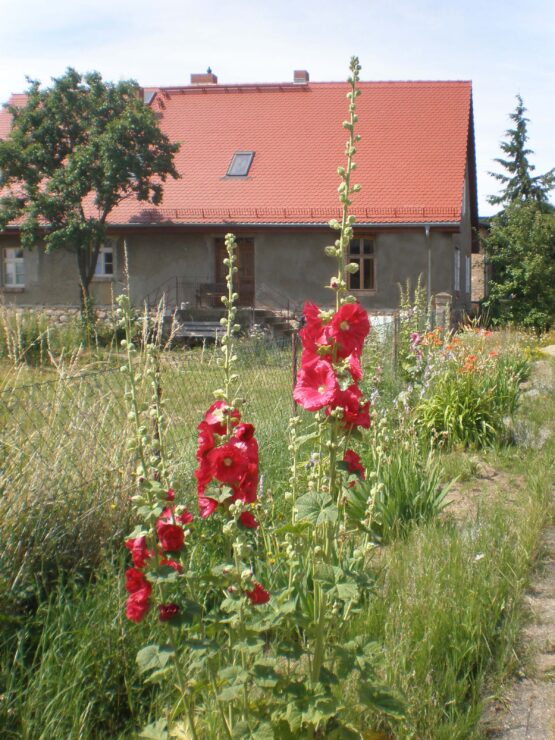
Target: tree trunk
87, 257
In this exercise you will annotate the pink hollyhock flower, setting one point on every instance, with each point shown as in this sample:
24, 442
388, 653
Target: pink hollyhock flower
135, 580
228, 463
316, 385
139, 551
349, 327
207, 506
138, 604
258, 595
205, 440
167, 612
172, 564
215, 417
170, 536
247, 520
354, 463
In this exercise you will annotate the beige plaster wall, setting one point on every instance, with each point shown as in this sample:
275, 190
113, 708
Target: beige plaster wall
289, 267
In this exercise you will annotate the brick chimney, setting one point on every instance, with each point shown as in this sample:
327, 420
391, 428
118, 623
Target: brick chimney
301, 76
208, 78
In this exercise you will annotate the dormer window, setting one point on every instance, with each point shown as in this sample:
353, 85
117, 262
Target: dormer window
240, 164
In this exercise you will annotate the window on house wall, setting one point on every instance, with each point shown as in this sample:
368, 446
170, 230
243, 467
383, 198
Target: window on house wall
467, 274
13, 268
457, 269
105, 261
361, 252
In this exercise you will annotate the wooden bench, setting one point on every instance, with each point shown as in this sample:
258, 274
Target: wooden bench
200, 330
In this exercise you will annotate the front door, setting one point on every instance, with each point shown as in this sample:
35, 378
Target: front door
243, 283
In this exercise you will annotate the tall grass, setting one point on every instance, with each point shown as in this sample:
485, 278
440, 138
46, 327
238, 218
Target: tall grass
448, 610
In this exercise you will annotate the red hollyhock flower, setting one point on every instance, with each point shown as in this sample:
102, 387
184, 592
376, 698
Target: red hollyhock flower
135, 580
139, 551
314, 333
258, 595
355, 368
172, 564
247, 520
185, 517
228, 463
215, 417
354, 464
170, 494
167, 612
207, 506
349, 328
244, 432
205, 440
316, 385
170, 536
138, 604
354, 415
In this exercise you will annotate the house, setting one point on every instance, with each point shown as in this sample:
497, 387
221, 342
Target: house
260, 160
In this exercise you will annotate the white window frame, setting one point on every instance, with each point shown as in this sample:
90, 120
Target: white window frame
10, 261
360, 258
457, 276
100, 269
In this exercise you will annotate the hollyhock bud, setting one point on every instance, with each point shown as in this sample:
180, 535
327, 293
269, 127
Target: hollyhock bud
166, 612
258, 595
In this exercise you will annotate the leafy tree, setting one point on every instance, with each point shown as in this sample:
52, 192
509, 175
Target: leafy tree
519, 184
75, 151
521, 249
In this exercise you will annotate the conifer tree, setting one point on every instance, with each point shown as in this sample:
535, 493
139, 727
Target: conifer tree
519, 185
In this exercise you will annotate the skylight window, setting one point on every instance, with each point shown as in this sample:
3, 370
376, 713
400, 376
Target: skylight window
240, 164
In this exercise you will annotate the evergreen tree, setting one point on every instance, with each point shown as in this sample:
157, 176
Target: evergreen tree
74, 152
518, 184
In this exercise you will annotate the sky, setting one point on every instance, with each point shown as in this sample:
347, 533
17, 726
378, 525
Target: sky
505, 47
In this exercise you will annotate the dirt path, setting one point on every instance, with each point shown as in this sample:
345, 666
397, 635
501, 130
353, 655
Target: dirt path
527, 711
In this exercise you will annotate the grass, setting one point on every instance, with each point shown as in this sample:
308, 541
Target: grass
444, 618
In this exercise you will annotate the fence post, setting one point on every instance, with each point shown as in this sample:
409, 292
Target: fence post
294, 362
396, 331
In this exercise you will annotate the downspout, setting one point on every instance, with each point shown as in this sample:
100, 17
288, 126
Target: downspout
429, 271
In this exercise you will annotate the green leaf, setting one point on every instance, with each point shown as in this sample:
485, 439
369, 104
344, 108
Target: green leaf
250, 646
153, 657
156, 730
265, 675
316, 508
381, 698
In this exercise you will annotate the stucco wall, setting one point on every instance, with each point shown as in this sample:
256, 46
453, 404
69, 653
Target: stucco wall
290, 267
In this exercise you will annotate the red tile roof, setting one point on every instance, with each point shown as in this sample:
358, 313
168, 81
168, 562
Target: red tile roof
410, 162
